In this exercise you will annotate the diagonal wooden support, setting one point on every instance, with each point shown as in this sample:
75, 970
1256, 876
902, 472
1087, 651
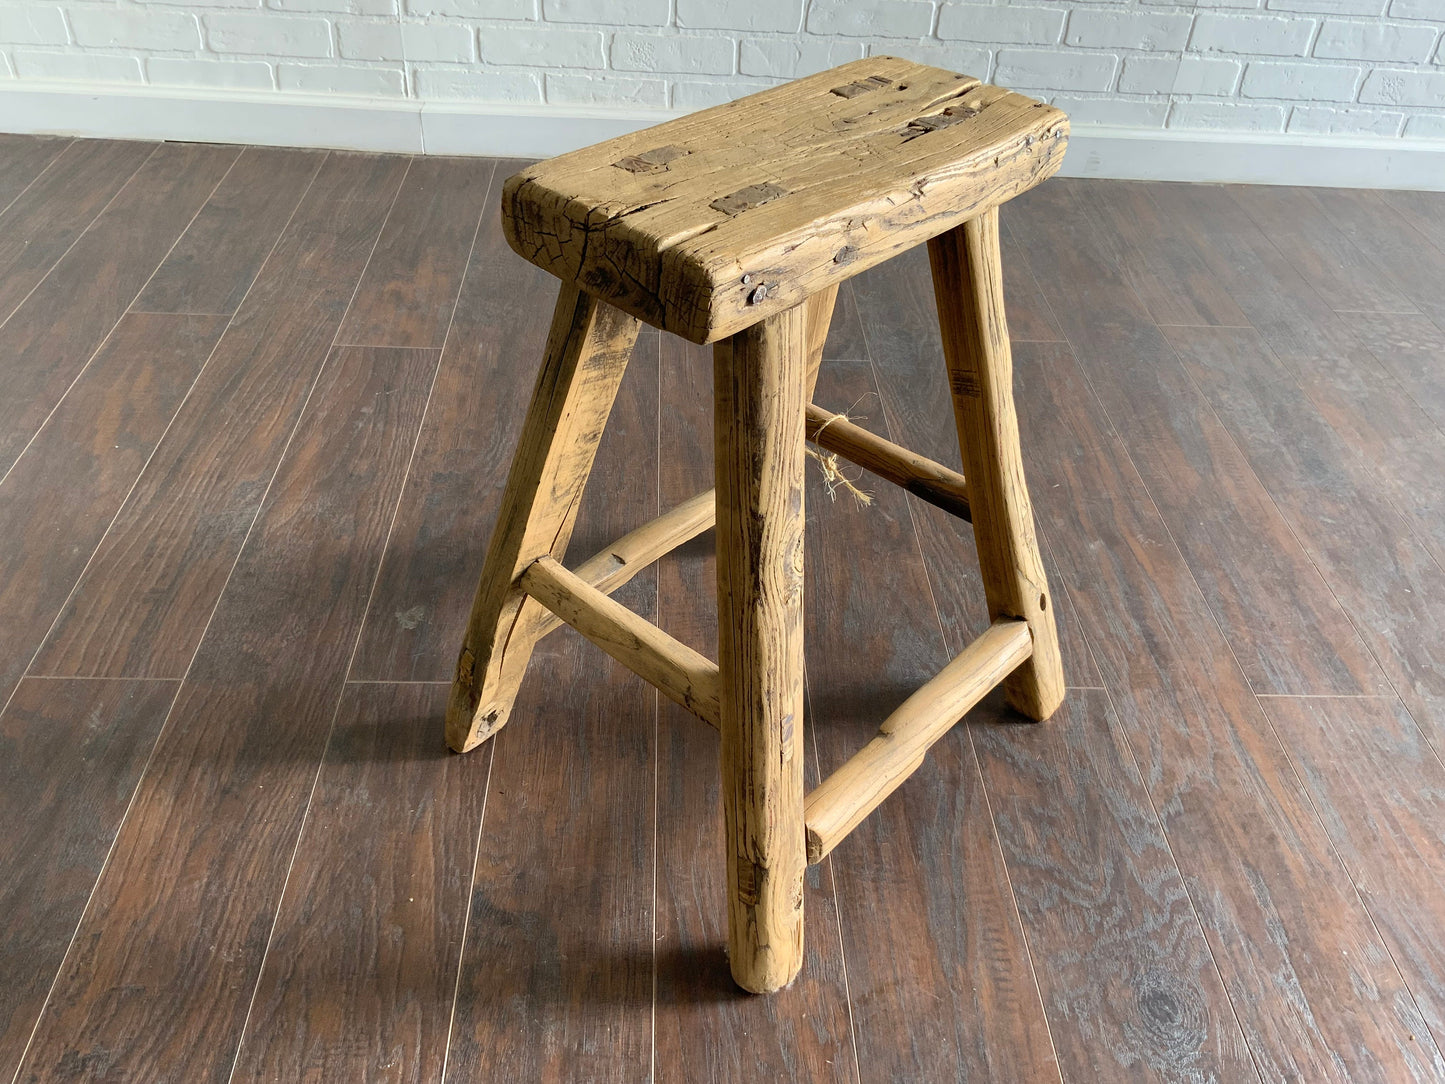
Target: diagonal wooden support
842, 800
678, 672
612, 566
918, 474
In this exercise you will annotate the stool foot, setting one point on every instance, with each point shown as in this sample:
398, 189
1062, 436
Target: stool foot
587, 352
968, 291
760, 377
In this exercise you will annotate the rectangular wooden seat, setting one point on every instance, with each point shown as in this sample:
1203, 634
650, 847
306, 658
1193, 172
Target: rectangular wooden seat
711, 222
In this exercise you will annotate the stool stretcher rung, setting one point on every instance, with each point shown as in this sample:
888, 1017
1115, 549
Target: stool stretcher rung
842, 800
612, 566
921, 476
679, 672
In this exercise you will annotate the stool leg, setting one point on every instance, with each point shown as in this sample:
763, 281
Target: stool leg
759, 383
587, 352
968, 290
819, 309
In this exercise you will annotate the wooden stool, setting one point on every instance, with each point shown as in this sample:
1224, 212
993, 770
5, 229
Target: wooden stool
735, 226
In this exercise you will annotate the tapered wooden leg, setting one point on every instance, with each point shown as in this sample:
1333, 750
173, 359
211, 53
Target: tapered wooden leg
760, 377
587, 352
968, 290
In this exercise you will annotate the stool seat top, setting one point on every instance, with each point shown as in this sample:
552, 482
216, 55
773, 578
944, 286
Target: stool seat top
710, 222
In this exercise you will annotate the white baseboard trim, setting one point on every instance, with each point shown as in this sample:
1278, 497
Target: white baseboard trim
461, 128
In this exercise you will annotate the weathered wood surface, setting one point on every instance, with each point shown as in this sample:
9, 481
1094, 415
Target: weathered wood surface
758, 204
676, 670
968, 290
586, 355
705, 1030
921, 476
841, 801
758, 389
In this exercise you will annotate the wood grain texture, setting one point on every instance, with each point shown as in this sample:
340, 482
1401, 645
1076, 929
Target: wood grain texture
1279, 614
968, 292
418, 615
362, 966
706, 1029
1407, 255
1317, 995
913, 402
759, 396
1385, 577
556, 977
1380, 789
939, 974
43, 221
1167, 276
70, 755
218, 257
164, 967
410, 289
766, 200
1412, 350
587, 351
677, 671
23, 158
866, 779
59, 499
1308, 237
1127, 979
143, 603
51, 337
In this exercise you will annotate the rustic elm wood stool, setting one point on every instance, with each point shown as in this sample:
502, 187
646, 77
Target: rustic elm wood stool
735, 226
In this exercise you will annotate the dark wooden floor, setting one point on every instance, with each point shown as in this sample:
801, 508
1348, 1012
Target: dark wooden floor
255, 412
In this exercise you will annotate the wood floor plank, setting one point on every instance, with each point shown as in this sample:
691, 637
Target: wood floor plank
421, 256
1168, 277
219, 255
556, 975
70, 755
38, 227
952, 958
1325, 257
143, 603
57, 502
424, 594
902, 331
1423, 210
1380, 789
707, 1029
1314, 988
1412, 349
51, 337
1386, 578
165, 964
1325, 354
1128, 982
23, 158
1030, 317
1287, 629
359, 978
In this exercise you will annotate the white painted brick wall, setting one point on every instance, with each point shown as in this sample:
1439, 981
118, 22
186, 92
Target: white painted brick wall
1312, 67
